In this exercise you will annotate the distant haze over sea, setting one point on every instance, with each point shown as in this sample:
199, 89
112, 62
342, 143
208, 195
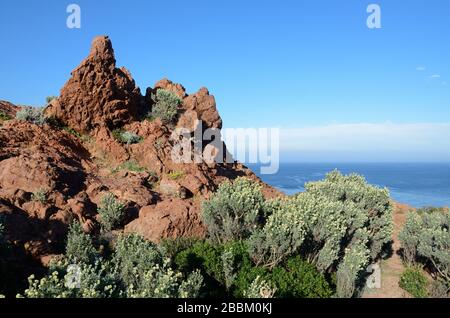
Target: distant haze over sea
416, 184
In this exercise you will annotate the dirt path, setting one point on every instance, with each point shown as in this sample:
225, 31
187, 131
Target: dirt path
391, 268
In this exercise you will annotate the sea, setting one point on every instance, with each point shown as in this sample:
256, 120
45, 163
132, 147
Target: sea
416, 184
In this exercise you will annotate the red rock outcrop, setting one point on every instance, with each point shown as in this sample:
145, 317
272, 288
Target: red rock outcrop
169, 219
98, 94
8, 109
162, 196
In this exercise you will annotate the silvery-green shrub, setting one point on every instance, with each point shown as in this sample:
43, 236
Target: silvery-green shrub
425, 237
79, 247
126, 137
166, 106
228, 267
135, 269
91, 281
371, 206
32, 115
355, 260
234, 211
337, 223
281, 236
260, 288
133, 256
111, 212
409, 237
161, 281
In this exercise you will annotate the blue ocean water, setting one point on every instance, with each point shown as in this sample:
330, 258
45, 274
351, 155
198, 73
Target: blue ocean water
416, 184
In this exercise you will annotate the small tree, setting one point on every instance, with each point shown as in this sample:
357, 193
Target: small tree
111, 212
166, 106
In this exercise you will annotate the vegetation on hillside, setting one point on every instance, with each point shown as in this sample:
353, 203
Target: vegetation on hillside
314, 244
425, 240
166, 106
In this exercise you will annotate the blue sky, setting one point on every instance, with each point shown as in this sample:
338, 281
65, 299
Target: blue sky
309, 66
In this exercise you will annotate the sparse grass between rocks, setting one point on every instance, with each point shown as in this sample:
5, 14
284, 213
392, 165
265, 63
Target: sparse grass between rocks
40, 195
130, 165
126, 137
175, 175
4, 116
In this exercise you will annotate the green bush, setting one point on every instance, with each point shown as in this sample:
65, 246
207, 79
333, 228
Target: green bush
166, 106
339, 224
133, 256
425, 238
171, 247
40, 195
294, 278
202, 255
4, 116
126, 137
66, 281
162, 282
299, 279
367, 206
136, 269
414, 282
234, 211
73, 132
79, 247
144, 273
111, 212
259, 288
355, 260
49, 99
282, 235
32, 115
175, 175
130, 165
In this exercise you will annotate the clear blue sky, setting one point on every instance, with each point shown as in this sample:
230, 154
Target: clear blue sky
312, 65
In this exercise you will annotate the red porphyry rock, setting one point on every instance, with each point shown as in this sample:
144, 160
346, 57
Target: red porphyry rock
98, 94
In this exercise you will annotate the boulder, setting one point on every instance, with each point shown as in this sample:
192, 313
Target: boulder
168, 219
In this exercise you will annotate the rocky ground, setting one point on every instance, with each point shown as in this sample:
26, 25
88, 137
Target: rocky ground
77, 161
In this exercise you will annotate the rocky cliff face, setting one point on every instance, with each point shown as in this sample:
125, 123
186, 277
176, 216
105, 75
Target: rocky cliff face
50, 175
